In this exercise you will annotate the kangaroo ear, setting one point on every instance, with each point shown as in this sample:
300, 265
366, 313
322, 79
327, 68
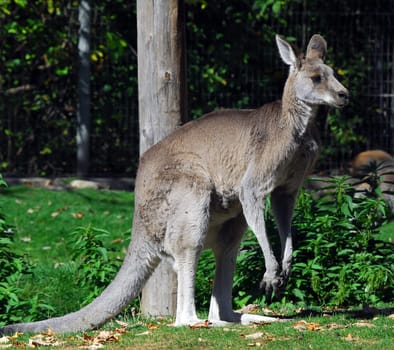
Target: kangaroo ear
317, 47
286, 51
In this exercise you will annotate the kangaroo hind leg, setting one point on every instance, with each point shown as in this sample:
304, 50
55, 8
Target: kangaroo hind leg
185, 233
226, 250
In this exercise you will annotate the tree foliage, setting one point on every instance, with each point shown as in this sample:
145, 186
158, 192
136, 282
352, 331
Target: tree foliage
232, 62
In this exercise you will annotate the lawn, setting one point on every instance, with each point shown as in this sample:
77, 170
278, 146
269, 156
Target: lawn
340, 331
44, 221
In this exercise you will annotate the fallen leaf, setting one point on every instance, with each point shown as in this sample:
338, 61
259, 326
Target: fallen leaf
144, 333
30, 211
78, 215
249, 309
152, 326
16, 335
4, 340
335, 326
202, 324
106, 336
44, 339
253, 335
305, 326
391, 317
268, 311
5, 343
257, 344
92, 346
55, 214
363, 324
122, 324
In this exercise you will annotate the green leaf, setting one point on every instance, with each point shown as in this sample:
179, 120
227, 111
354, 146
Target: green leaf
62, 71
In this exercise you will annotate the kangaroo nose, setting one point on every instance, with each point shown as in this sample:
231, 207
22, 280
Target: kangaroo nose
344, 96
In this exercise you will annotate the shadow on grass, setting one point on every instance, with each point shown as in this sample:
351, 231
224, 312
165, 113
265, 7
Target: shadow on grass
366, 312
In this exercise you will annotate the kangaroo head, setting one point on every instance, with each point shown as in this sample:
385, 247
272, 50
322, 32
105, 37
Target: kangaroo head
310, 80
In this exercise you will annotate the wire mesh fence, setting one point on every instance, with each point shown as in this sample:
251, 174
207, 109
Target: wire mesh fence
232, 62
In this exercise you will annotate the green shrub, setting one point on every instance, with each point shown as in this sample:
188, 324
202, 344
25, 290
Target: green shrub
13, 268
337, 260
96, 267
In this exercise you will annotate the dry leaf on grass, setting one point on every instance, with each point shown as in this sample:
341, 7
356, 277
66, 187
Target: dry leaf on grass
152, 326
265, 338
257, 344
363, 324
335, 326
305, 326
44, 339
202, 324
5, 343
256, 335
256, 308
98, 339
143, 333
250, 309
391, 317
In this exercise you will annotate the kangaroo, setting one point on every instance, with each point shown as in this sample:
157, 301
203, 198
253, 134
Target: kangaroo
364, 163
205, 183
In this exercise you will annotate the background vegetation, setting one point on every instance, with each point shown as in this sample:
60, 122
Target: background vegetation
54, 258
232, 62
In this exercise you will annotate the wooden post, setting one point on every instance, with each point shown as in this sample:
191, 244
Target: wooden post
83, 114
162, 108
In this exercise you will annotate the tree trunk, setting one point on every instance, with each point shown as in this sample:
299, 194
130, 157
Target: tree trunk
162, 108
83, 113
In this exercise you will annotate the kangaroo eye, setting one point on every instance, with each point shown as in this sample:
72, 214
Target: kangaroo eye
316, 79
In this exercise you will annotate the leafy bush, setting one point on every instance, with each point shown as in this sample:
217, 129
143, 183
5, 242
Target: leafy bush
95, 267
338, 261
13, 268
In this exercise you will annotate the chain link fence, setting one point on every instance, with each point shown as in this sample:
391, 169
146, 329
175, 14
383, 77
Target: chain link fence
231, 63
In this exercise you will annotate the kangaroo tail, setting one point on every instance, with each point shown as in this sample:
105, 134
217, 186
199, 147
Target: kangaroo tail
141, 259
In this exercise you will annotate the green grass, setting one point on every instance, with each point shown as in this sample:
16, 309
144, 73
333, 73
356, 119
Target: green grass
340, 331
44, 220
387, 232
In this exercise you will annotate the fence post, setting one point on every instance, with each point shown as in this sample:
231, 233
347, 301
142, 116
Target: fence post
83, 113
162, 107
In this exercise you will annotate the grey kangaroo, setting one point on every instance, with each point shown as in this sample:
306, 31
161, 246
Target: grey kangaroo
205, 183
